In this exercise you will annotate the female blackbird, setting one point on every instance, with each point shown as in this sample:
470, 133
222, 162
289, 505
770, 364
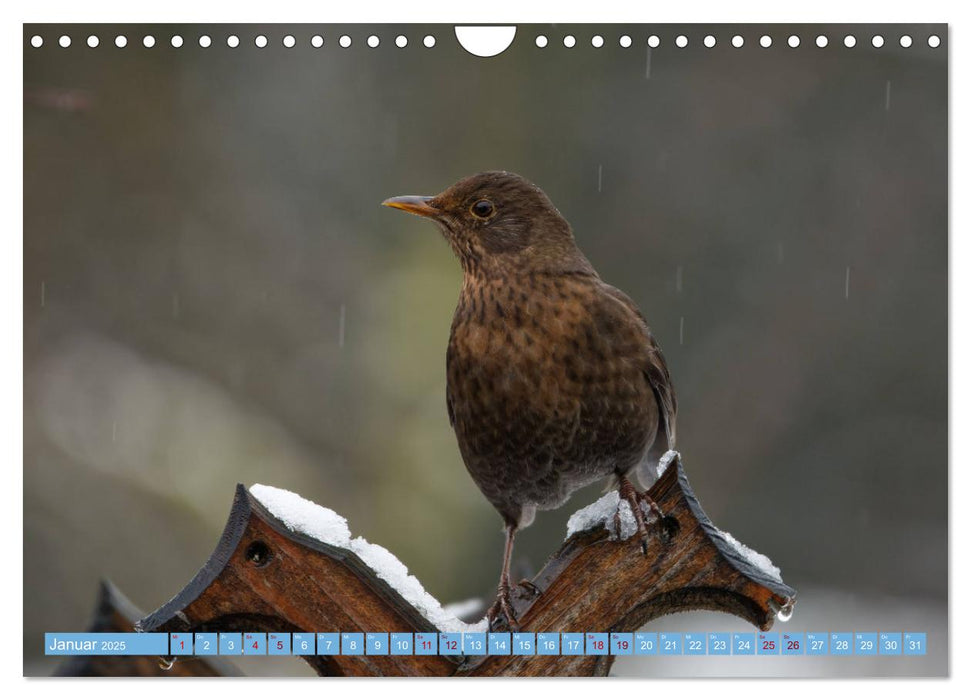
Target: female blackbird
553, 377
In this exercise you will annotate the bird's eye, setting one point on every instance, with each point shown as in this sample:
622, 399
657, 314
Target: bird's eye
483, 209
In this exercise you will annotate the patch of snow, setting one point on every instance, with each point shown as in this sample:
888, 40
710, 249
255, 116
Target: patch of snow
597, 513
303, 516
323, 524
759, 561
601, 514
463, 608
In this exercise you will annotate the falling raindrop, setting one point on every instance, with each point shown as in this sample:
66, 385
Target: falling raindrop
600, 178
340, 332
847, 290
43, 294
647, 70
886, 104
681, 332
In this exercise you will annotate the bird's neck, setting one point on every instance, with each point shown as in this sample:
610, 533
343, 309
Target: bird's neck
483, 268
476, 278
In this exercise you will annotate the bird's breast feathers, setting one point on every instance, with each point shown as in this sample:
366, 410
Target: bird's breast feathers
552, 342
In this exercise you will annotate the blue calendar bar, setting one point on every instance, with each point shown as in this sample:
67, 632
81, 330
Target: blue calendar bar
645, 643
426, 644
743, 644
548, 643
328, 644
450, 643
719, 644
597, 644
376, 644
841, 643
254, 644
793, 643
915, 643
481, 643
768, 644
669, 644
230, 644
817, 643
402, 644
278, 644
302, 643
571, 644
523, 644
891, 643
866, 643
207, 644
180, 644
352, 644
621, 643
106, 644
474, 644
694, 644
500, 643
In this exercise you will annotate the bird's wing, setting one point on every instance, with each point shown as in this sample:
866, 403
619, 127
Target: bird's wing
448, 407
655, 371
449, 354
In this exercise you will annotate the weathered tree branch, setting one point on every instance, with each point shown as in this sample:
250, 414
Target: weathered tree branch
265, 577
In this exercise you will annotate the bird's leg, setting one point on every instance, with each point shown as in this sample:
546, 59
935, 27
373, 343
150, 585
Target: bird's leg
633, 498
502, 604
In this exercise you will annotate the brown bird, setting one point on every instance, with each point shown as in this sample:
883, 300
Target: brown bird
554, 379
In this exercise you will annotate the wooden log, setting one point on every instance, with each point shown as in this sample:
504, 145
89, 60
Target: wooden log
114, 612
264, 577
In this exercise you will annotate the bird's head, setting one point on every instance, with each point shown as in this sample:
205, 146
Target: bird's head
499, 222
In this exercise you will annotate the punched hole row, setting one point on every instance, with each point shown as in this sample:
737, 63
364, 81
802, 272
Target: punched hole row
738, 41
542, 41
232, 41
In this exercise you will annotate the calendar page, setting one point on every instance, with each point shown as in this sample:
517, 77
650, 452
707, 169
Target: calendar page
467, 350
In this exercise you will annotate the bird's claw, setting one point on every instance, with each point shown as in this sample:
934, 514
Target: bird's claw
649, 502
635, 499
502, 607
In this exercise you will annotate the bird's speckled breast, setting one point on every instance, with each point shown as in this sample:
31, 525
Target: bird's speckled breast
546, 387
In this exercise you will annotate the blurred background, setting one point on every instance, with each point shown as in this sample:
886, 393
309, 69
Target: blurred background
212, 295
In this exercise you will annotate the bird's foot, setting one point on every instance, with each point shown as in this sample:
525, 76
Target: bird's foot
667, 527
503, 607
633, 498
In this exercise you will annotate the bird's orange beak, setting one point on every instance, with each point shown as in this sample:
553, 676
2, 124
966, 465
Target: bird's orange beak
413, 205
